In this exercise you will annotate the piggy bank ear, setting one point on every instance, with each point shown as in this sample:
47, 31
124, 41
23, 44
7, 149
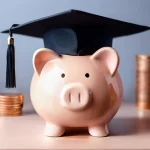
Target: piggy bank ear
109, 57
41, 57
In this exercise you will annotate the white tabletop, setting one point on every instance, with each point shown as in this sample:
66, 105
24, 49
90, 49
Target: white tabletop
128, 130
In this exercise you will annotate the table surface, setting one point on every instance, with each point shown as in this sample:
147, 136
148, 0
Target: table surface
129, 129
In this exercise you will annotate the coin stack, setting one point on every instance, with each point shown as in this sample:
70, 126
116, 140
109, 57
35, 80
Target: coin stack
143, 81
11, 104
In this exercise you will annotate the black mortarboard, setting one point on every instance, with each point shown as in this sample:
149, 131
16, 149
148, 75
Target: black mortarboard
74, 32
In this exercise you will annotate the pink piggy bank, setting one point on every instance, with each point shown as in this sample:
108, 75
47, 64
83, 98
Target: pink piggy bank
76, 91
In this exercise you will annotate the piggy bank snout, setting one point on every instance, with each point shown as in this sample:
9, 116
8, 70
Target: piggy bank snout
75, 96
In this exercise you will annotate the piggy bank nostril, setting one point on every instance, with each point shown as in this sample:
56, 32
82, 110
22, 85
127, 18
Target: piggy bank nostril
69, 97
79, 97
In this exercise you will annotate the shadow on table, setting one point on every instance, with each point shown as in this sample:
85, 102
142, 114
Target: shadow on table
119, 127
129, 126
29, 112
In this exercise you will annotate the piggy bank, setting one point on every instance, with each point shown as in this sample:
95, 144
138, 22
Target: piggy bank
76, 91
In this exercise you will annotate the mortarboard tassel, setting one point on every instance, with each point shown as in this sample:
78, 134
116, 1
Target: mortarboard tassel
10, 68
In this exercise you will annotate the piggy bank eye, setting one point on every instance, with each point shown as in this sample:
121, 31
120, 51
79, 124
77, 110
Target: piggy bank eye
87, 75
62, 75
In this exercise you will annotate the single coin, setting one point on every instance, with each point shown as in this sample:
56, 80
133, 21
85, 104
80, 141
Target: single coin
10, 114
9, 106
11, 95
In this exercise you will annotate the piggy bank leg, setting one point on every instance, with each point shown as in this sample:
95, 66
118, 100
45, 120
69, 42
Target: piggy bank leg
53, 130
107, 128
99, 130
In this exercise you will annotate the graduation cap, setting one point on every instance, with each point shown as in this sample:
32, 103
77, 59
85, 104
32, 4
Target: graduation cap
72, 32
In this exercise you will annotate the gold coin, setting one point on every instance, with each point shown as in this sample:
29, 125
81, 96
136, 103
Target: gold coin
13, 110
11, 114
11, 107
7, 100
139, 57
11, 95
142, 105
10, 110
13, 102
7, 108
8, 105
10, 98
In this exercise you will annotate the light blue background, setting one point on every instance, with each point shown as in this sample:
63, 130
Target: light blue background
21, 11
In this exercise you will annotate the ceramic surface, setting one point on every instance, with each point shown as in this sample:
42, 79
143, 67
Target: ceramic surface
76, 91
